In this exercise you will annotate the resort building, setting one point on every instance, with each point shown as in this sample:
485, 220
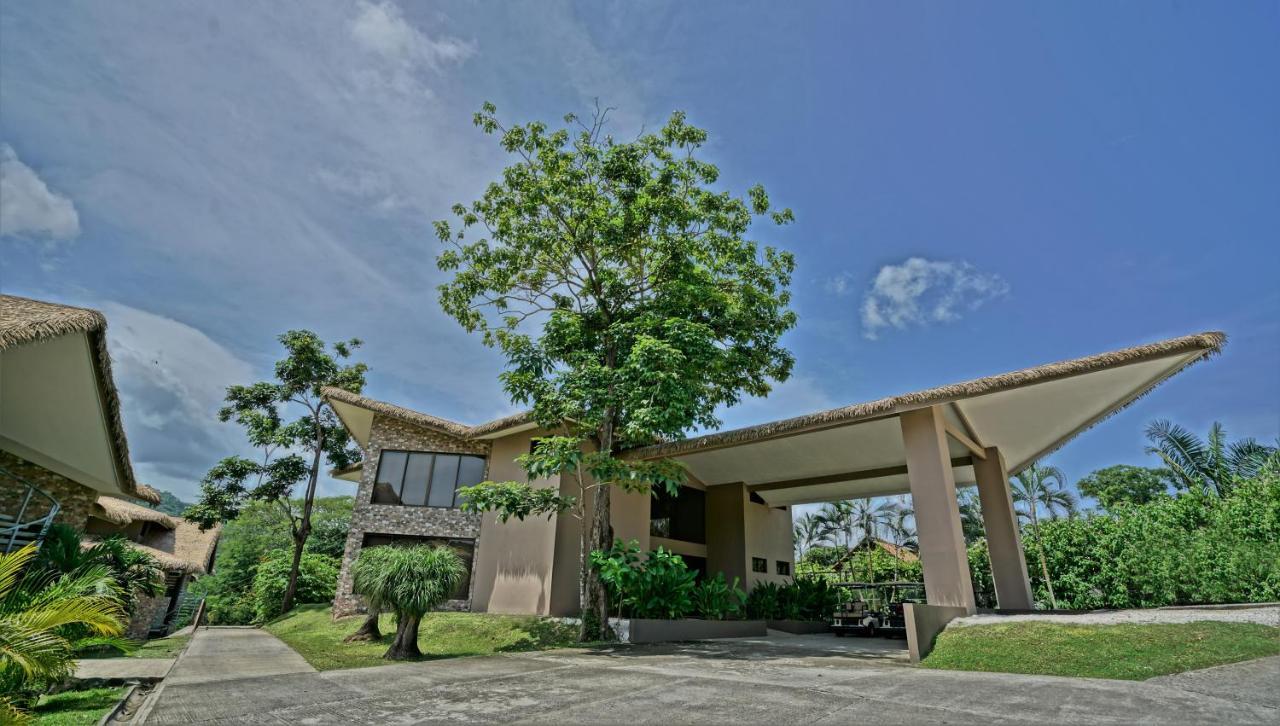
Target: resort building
734, 514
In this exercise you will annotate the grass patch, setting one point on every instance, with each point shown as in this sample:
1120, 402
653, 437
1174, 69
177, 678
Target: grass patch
73, 708
309, 630
1129, 652
159, 648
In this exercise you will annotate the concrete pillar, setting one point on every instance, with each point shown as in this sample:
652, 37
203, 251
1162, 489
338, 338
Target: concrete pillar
727, 531
933, 495
1008, 566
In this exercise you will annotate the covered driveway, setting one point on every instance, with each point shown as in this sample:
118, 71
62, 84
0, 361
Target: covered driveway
928, 443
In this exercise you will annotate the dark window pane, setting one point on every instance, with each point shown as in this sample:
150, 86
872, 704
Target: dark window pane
443, 479
759, 564
784, 568
470, 473
386, 487
416, 476
682, 517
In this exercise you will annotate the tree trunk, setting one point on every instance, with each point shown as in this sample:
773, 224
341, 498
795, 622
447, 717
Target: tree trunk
368, 631
405, 646
601, 538
304, 530
1044, 567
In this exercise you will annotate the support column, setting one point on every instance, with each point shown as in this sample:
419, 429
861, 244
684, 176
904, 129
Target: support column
933, 495
726, 515
1008, 566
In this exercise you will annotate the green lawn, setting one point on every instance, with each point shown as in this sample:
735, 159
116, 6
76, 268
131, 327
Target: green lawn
1128, 652
310, 631
159, 648
73, 708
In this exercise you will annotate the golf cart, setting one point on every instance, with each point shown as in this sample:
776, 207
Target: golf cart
874, 608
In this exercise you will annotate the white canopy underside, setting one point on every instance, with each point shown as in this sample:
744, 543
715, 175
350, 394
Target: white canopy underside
1026, 423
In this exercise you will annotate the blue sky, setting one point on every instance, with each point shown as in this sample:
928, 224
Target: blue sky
977, 189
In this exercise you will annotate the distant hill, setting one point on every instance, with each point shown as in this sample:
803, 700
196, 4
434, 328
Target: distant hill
170, 504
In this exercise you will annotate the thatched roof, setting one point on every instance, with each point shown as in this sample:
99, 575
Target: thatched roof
118, 511
1207, 344
452, 428
147, 494
183, 549
24, 321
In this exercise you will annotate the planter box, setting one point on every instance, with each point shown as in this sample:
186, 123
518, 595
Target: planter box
799, 627
661, 631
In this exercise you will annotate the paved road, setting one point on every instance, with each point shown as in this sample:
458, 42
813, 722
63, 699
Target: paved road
709, 682
219, 654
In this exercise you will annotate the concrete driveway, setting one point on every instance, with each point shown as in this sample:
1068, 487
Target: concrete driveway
745, 681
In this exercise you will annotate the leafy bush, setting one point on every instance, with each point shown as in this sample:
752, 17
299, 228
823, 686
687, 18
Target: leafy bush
260, 533
317, 582
764, 601
715, 599
1191, 549
660, 585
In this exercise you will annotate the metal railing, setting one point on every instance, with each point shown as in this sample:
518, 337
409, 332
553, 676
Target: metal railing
17, 531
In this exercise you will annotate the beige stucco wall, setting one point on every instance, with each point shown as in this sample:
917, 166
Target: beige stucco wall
514, 559
769, 536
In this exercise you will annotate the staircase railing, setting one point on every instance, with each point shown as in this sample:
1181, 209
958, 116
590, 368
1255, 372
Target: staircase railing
17, 530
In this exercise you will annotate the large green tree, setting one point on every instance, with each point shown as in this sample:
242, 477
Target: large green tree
1213, 465
1124, 483
628, 300
294, 428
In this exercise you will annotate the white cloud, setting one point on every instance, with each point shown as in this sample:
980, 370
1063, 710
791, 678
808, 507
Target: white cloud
921, 291
28, 208
840, 285
382, 29
172, 379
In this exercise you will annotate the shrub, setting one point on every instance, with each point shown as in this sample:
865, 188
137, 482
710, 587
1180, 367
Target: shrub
763, 602
660, 585
715, 599
413, 581
317, 582
804, 599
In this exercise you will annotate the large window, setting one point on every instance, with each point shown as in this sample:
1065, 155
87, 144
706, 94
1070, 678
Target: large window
464, 548
419, 479
683, 517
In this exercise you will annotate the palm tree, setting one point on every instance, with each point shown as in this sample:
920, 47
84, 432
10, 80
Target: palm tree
807, 531
902, 526
970, 516
1211, 466
38, 610
412, 582
858, 522
135, 572
369, 573
1043, 486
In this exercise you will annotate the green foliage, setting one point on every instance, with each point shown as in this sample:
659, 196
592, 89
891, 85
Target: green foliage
45, 617
1190, 549
623, 291
984, 588
1124, 483
812, 599
170, 504
659, 585
135, 573
415, 580
1213, 466
261, 532
715, 599
75, 708
317, 582
265, 411
819, 562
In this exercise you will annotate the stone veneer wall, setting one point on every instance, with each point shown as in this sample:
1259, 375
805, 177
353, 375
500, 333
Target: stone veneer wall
144, 613
76, 500
368, 518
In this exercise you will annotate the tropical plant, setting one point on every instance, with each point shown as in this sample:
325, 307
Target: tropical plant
368, 574
263, 409
617, 567
807, 532
134, 572
1042, 486
44, 618
856, 523
658, 585
971, 523
415, 580
1124, 483
1213, 465
764, 601
619, 282
715, 599
901, 526
317, 580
